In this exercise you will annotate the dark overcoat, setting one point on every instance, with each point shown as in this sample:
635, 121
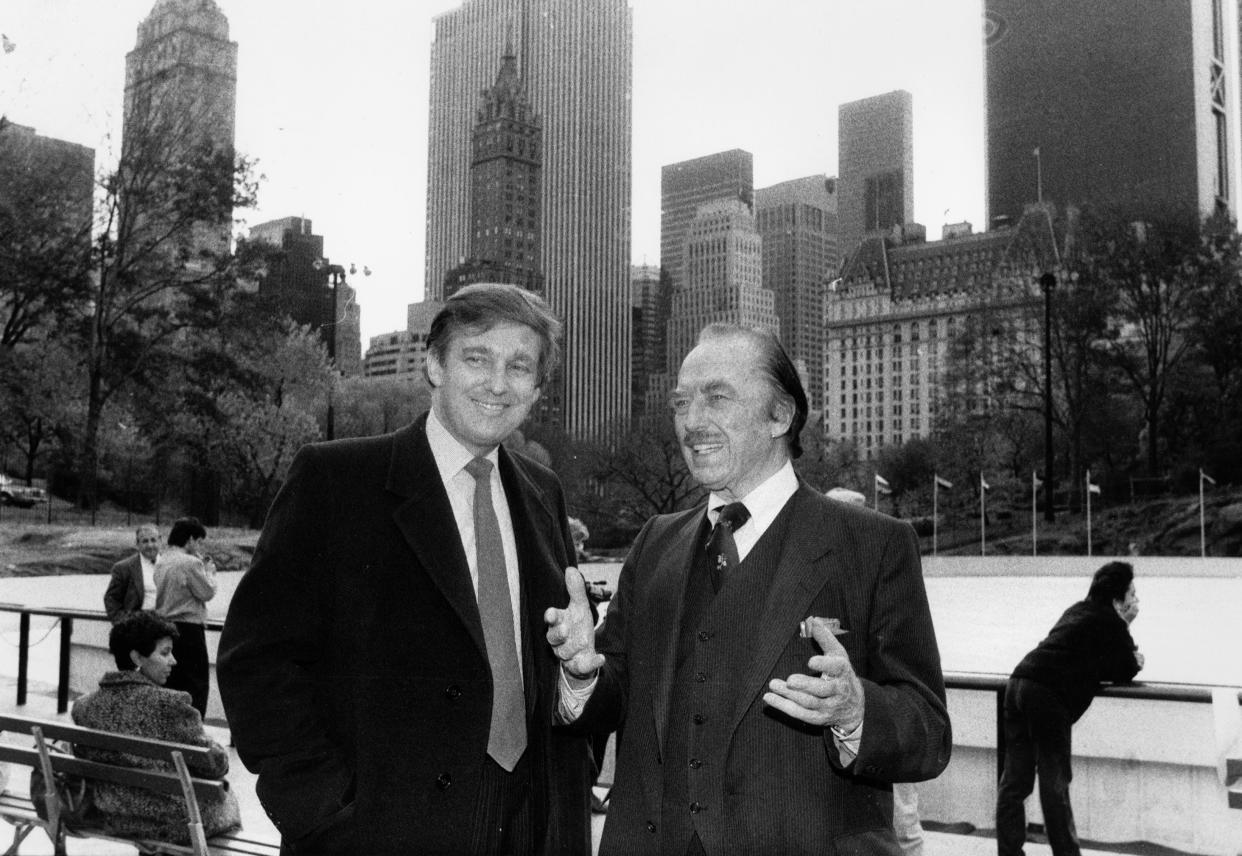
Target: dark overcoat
352, 663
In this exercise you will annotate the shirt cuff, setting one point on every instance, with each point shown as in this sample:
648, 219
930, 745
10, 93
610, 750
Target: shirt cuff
848, 743
573, 699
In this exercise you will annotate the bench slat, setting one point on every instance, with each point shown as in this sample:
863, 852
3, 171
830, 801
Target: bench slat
154, 780
144, 746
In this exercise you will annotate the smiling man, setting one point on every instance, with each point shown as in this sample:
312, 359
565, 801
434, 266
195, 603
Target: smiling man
382, 664
771, 653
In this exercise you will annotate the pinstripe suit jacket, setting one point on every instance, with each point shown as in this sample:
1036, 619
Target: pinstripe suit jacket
781, 787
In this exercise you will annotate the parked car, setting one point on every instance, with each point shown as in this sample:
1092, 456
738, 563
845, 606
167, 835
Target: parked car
22, 496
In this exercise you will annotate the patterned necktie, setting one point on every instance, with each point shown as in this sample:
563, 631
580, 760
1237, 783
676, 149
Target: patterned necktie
721, 548
507, 739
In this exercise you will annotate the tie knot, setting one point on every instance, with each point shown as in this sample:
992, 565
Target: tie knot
734, 515
480, 468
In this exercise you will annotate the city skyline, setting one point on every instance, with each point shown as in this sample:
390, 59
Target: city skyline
323, 85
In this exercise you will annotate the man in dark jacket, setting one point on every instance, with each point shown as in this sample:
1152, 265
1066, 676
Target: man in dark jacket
1047, 693
132, 586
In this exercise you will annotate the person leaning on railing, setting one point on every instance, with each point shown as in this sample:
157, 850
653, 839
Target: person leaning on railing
133, 700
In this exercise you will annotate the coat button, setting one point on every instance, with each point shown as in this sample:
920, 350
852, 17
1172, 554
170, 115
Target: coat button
444, 781
695, 763
704, 636
651, 826
699, 719
453, 693
701, 677
695, 807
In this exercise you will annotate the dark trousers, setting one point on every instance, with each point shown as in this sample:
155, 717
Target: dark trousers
191, 674
503, 825
1037, 739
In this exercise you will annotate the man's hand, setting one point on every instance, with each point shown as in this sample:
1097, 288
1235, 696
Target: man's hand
835, 698
571, 631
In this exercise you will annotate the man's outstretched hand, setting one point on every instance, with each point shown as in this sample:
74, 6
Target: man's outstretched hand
833, 698
571, 631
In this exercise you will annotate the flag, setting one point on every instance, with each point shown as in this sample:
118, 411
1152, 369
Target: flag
9, 45
1092, 488
1035, 151
1207, 478
983, 483
1036, 481
881, 484
944, 483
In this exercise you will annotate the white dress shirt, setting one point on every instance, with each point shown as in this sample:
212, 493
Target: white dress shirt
451, 458
148, 582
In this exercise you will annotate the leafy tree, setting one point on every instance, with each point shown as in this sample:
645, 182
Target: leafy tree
639, 473
366, 407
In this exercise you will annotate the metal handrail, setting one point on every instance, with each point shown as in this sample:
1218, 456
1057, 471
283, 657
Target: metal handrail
66, 616
1150, 691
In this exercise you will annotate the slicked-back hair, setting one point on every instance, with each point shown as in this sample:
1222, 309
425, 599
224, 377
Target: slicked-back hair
481, 306
139, 631
1111, 582
185, 528
778, 368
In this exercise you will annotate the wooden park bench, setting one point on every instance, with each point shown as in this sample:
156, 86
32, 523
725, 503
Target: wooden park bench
18, 809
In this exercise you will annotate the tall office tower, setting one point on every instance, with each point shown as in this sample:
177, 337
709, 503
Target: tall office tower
297, 284
505, 188
1129, 104
687, 185
47, 188
650, 301
875, 166
181, 95
797, 221
575, 61
723, 278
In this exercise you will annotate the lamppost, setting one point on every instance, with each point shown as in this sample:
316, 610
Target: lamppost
337, 275
1048, 282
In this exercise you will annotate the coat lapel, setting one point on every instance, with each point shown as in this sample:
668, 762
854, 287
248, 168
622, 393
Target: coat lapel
426, 522
667, 604
799, 577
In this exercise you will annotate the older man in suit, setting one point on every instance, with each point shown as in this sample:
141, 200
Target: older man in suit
132, 586
383, 665
771, 654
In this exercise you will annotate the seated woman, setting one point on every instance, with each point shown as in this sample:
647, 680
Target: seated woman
133, 701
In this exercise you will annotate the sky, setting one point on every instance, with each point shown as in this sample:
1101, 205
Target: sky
332, 100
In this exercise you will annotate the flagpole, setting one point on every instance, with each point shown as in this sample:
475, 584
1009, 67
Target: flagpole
1034, 492
936, 507
1202, 531
1088, 512
983, 531
1039, 177
875, 495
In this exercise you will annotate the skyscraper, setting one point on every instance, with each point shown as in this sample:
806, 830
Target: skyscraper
505, 188
875, 166
575, 61
1130, 104
649, 308
797, 220
685, 186
181, 95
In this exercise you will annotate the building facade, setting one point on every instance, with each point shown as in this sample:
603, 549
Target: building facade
181, 98
685, 186
797, 221
505, 188
893, 316
1130, 104
575, 62
875, 166
650, 304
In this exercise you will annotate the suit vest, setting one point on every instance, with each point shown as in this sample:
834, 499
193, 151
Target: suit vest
713, 652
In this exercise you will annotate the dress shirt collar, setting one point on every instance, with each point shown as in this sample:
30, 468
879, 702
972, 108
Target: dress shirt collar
764, 502
451, 456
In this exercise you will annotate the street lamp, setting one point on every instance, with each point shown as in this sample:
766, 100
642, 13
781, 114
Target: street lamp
1048, 282
337, 275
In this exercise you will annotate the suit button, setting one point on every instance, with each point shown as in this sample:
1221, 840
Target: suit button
695, 763
704, 636
700, 677
444, 781
699, 719
650, 826
453, 693
695, 808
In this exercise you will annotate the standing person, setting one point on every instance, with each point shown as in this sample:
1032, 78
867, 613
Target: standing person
132, 586
185, 579
750, 725
383, 665
1048, 692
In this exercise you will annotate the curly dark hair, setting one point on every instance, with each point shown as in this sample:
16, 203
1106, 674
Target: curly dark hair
139, 631
1111, 582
